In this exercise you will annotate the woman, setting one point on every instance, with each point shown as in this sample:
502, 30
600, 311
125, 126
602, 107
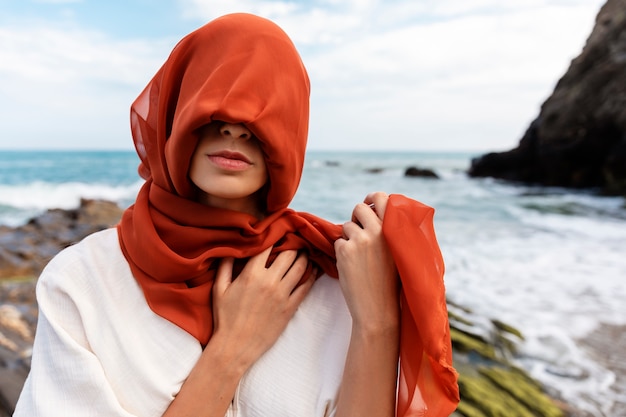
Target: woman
212, 297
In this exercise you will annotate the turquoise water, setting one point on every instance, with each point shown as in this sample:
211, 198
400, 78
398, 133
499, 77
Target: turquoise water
57, 167
549, 261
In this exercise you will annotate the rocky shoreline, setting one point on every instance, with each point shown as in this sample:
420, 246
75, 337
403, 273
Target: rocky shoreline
24, 251
18, 317
483, 348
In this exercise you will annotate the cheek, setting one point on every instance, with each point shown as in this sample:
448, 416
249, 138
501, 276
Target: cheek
259, 157
262, 172
193, 167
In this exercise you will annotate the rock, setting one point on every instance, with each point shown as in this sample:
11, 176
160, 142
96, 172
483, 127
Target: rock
578, 139
18, 317
25, 250
490, 384
504, 391
420, 172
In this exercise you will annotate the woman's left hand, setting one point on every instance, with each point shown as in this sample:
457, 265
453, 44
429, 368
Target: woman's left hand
367, 272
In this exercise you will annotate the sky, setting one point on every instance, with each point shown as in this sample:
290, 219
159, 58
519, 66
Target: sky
415, 75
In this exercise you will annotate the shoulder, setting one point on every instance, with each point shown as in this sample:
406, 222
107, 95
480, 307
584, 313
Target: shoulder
90, 249
83, 265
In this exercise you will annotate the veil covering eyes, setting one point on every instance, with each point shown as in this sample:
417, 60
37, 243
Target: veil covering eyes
241, 68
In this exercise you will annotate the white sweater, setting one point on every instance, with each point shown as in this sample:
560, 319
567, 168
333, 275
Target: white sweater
101, 351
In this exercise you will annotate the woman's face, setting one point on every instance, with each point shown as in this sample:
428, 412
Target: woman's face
229, 168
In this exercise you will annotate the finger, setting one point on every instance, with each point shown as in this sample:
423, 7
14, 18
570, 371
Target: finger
260, 259
350, 229
364, 216
338, 245
378, 200
300, 292
284, 260
293, 276
224, 276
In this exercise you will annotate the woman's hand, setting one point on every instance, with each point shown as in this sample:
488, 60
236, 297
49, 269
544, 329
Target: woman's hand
369, 281
251, 312
249, 315
367, 272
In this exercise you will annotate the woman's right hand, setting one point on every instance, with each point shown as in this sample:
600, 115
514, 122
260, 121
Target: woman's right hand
251, 312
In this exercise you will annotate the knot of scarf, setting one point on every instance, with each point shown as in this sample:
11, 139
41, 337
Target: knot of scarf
174, 246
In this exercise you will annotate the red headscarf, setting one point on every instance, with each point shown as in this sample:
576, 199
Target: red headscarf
242, 68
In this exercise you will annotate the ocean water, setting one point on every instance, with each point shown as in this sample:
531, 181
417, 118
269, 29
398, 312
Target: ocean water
546, 260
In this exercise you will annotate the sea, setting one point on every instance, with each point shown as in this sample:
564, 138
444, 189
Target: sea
548, 261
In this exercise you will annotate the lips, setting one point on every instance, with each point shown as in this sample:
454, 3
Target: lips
231, 155
230, 161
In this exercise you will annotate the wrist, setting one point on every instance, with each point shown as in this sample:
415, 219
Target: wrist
383, 322
227, 356
387, 328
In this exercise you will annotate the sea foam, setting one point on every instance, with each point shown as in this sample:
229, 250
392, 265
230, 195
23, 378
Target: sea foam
18, 203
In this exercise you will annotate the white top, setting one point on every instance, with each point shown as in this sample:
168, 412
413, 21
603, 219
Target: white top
101, 351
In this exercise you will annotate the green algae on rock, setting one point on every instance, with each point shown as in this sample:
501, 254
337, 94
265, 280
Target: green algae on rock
490, 384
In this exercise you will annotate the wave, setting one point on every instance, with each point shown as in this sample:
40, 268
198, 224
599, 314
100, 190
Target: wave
19, 203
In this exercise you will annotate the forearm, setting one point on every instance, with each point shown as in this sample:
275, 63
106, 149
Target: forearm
368, 387
211, 385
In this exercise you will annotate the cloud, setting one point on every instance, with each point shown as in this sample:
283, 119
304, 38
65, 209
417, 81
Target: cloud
445, 74
460, 74
70, 87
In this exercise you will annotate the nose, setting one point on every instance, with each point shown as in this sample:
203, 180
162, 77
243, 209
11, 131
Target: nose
236, 131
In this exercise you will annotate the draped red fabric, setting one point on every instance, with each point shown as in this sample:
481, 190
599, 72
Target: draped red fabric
242, 68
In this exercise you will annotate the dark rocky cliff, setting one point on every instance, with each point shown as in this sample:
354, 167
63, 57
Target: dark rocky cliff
578, 139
